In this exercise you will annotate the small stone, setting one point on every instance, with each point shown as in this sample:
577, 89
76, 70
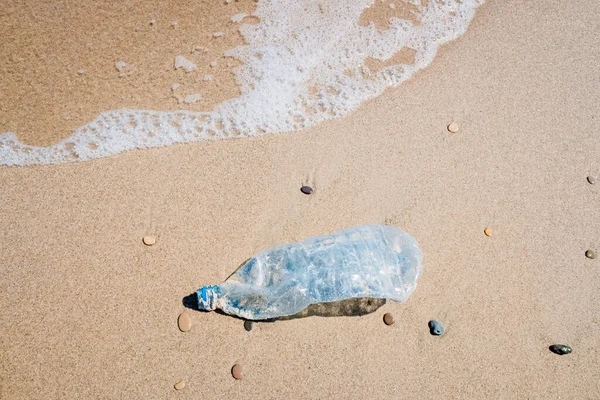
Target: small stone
436, 328
218, 34
120, 65
237, 371
560, 349
179, 385
306, 189
388, 319
591, 180
453, 127
590, 254
248, 325
149, 240
238, 17
487, 231
184, 322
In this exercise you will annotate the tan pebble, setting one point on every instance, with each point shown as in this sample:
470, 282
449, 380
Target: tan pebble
388, 319
487, 231
237, 371
453, 127
149, 240
184, 322
179, 385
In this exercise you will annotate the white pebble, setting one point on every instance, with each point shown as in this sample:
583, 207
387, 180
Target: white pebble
152, 22
182, 62
175, 86
121, 66
238, 17
192, 98
124, 68
392, 5
200, 48
213, 64
208, 78
218, 34
81, 71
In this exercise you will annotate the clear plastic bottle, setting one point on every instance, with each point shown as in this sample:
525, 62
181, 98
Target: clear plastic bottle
368, 261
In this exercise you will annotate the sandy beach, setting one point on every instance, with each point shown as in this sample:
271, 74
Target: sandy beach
87, 310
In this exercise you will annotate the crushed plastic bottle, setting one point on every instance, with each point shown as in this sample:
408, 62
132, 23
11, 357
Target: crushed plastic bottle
368, 261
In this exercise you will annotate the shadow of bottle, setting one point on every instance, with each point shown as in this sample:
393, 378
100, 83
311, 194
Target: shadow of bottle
354, 307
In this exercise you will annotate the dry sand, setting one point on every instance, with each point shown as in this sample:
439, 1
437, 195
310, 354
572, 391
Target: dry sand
89, 311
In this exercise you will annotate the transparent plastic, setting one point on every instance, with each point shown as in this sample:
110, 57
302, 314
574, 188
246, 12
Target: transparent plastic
368, 261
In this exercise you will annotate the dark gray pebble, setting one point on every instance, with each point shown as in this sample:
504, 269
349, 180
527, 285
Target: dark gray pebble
560, 349
306, 189
436, 328
248, 325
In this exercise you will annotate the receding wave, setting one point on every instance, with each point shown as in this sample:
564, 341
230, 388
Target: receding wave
304, 62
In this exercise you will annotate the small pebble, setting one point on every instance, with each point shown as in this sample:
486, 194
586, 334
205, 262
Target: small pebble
590, 254
560, 349
184, 322
248, 325
436, 328
237, 371
238, 17
591, 179
388, 319
148, 240
453, 127
179, 385
487, 231
306, 189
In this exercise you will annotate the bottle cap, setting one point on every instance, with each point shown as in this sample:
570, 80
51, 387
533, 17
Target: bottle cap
207, 298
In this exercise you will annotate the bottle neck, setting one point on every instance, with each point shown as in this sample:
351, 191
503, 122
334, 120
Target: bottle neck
207, 297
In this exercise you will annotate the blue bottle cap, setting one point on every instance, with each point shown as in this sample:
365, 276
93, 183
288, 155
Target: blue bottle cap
207, 298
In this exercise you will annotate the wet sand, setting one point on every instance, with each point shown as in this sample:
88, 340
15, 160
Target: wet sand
90, 311
60, 63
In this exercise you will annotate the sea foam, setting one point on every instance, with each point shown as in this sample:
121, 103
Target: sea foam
304, 62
